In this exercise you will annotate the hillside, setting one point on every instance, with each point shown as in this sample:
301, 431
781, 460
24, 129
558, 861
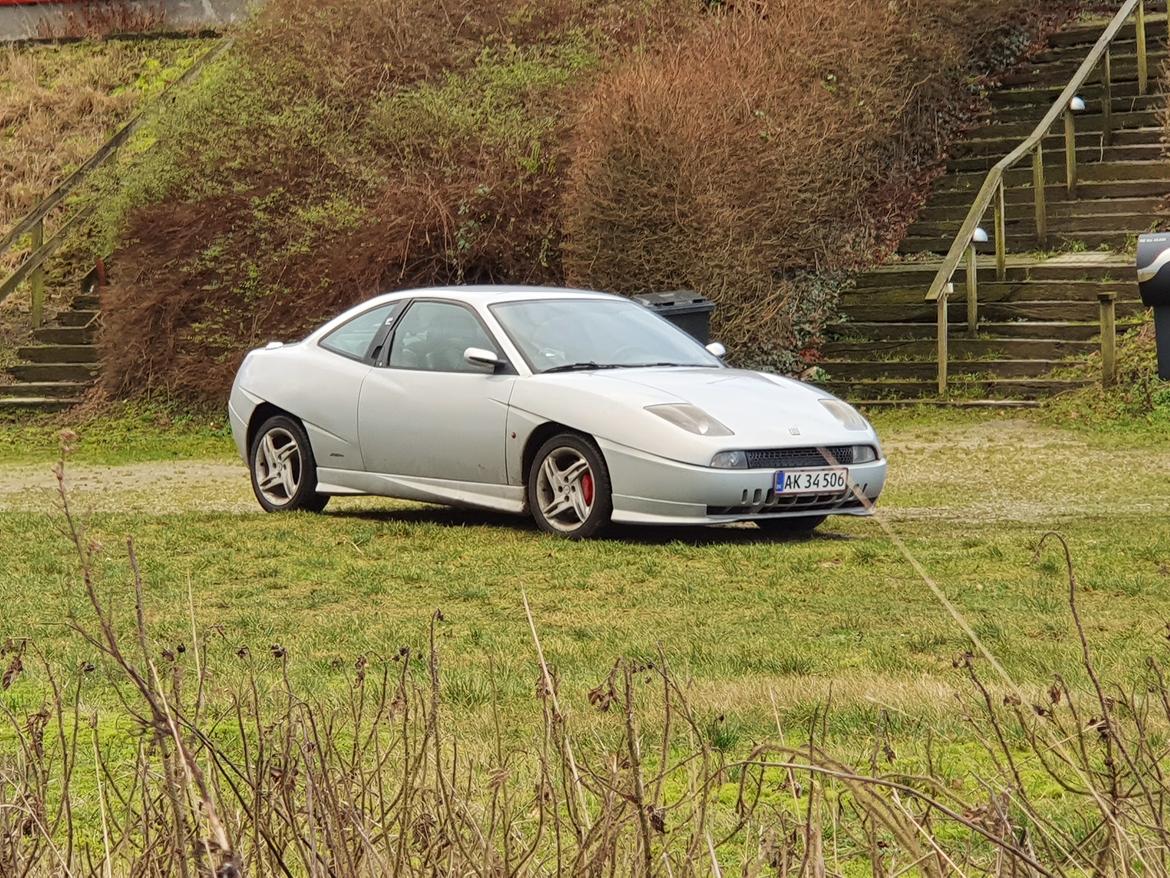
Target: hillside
752, 151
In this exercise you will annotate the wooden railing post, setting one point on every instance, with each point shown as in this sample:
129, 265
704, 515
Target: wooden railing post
1040, 196
972, 291
37, 278
1107, 304
1000, 233
942, 343
1107, 98
1070, 152
1143, 61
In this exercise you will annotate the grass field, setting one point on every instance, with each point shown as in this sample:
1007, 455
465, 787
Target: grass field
840, 617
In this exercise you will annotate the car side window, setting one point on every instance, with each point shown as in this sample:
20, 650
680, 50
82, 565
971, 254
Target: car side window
432, 337
353, 338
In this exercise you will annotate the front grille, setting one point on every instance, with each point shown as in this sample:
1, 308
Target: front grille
799, 458
772, 504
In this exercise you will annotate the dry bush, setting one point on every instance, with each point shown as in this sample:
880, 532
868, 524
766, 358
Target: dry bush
96, 19
209, 770
353, 147
769, 144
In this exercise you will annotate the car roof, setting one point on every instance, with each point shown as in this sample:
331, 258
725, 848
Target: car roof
482, 294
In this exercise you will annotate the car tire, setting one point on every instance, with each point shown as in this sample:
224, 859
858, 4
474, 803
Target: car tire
283, 470
791, 527
569, 492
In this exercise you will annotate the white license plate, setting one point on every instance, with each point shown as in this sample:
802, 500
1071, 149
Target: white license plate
812, 481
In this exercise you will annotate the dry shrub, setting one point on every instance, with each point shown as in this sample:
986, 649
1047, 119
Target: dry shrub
353, 147
94, 19
767, 144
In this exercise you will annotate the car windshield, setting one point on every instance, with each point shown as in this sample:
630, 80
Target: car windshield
570, 334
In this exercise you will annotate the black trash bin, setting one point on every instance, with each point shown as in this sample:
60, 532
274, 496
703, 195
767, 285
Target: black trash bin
686, 309
1153, 261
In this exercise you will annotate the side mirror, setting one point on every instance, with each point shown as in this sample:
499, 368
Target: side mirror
716, 349
482, 358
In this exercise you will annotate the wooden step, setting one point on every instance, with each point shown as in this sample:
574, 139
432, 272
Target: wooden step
1087, 33
937, 402
1057, 193
66, 335
1060, 72
960, 348
1093, 123
853, 370
1151, 205
1057, 240
999, 291
45, 389
973, 388
997, 146
1100, 267
58, 353
79, 372
1018, 329
34, 405
1020, 177
1020, 112
1046, 95
926, 312
1054, 159
1025, 228
78, 317
1119, 48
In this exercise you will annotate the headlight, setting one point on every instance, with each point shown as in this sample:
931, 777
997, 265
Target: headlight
848, 416
729, 460
691, 418
864, 454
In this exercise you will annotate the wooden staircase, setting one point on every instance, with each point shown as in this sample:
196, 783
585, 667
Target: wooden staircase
1042, 317
57, 369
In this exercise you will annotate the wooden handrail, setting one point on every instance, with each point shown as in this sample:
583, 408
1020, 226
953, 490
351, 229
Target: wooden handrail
995, 175
34, 220
993, 186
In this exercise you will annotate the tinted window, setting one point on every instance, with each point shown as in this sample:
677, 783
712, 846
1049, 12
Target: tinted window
432, 337
353, 339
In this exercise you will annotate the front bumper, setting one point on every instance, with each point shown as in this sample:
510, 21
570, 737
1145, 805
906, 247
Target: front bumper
653, 490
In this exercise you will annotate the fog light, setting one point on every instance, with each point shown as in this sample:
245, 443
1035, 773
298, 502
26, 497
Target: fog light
864, 454
729, 460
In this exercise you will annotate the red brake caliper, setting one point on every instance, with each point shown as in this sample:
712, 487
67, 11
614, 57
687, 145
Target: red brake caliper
587, 488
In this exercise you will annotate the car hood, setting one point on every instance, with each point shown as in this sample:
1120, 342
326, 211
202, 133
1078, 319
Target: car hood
762, 410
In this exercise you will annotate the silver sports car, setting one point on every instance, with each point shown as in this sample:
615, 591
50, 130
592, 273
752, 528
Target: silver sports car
578, 408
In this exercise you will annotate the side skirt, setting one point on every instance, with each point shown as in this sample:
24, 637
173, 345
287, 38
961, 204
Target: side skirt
502, 498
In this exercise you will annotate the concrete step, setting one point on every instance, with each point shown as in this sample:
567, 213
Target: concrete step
994, 312
44, 389
66, 335
58, 353
1020, 226
79, 372
990, 143
999, 291
79, 317
973, 388
981, 348
1054, 159
1019, 329
34, 405
853, 370
1150, 205
1057, 193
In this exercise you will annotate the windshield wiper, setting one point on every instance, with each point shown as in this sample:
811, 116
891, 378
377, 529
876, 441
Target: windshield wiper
582, 367
664, 364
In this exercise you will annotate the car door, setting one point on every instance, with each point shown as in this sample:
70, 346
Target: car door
426, 412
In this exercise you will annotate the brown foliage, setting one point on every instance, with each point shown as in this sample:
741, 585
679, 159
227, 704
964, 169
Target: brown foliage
622, 146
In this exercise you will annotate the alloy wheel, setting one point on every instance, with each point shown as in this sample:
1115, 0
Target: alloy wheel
565, 489
278, 466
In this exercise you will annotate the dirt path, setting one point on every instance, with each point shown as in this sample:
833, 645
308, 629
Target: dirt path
994, 470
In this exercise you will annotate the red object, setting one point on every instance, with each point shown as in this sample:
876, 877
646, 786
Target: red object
587, 488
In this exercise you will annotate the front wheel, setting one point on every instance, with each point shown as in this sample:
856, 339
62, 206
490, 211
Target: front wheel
791, 527
284, 473
568, 487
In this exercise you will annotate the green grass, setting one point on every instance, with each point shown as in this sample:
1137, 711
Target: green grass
743, 617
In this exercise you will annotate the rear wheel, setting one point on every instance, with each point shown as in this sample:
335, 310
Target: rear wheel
793, 527
284, 473
568, 487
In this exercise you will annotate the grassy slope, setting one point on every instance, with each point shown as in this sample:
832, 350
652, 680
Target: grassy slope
841, 613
